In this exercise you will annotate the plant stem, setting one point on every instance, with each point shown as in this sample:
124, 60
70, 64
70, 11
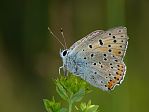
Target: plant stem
70, 106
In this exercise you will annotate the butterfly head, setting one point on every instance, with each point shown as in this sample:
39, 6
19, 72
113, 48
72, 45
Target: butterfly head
64, 53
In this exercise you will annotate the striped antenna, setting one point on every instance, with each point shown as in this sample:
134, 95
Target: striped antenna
56, 38
63, 38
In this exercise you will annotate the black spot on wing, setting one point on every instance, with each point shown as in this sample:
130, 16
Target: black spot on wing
100, 42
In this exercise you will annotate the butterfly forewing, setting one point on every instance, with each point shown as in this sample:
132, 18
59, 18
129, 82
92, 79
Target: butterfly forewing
80, 43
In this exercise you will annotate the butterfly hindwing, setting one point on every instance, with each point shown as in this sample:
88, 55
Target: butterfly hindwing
105, 71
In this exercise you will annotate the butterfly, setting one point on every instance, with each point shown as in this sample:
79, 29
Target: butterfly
98, 58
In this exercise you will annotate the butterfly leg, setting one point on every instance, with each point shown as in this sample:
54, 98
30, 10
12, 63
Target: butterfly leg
60, 69
65, 71
83, 76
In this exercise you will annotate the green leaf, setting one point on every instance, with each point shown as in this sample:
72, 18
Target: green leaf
47, 105
82, 106
92, 108
51, 106
88, 107
89, 103
78, 96
61, 91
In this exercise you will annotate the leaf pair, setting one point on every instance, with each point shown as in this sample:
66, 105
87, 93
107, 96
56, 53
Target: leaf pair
71, 88
52, 106
88, 107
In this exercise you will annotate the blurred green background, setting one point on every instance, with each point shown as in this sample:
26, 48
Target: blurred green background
29, 56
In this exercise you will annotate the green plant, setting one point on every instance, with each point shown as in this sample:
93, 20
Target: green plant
72, 90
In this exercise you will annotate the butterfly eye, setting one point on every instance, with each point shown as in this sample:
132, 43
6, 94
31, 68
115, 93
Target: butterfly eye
64, 53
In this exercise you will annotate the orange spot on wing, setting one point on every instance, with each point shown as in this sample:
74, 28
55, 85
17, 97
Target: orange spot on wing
103, 49
117, 52
121, 69
111, 84
119, 72
117, 77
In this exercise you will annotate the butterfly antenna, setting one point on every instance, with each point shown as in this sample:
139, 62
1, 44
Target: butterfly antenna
56, 37
63, 38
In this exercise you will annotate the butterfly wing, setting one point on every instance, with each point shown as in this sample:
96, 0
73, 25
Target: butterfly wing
102, 58
102, 71
86, 38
